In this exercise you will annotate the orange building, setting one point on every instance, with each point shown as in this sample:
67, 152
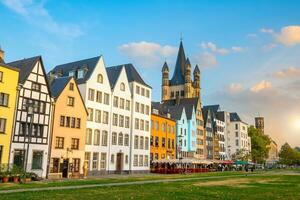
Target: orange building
163, 136
68, 131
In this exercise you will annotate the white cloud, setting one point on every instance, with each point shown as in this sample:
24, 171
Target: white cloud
35, 13
267, 30
213, 48
235, 87
237, 49
288, 73
147, 53
269, 47
262, 85
289, 35
206, 59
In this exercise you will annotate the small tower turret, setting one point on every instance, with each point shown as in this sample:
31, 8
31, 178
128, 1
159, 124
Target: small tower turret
165, 82
187, 79
197, 81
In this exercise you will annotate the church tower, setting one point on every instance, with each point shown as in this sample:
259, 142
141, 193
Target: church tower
188, 80
197, 82
165, 82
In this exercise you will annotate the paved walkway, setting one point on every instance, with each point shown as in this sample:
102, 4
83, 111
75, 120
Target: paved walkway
118, 184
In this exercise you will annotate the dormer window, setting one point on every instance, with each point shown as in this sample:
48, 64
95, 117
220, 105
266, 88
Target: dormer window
100, 78
80, 73
122, 87
72, 73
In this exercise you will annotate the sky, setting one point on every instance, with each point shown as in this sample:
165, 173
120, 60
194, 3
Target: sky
248, 51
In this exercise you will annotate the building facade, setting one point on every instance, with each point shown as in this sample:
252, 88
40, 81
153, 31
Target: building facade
31, 135
163, 136
209, 133
68, 129
118, 125
8, 95
181, 86
260, 123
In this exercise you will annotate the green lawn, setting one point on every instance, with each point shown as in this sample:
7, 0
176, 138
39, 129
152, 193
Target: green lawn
261, 186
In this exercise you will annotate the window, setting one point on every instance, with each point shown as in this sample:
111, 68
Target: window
122, 87
71, 73
163, 142
80, 73
137, 89
126, 159
59, 143
136, 142
19, 156
115, 103
35, 86
103, 161
98, 116
122, 103
75, 143
71, 86
156, 126
135, 160
104, 138
236, 126
2, 125
146, 143
62, 121
237, 142
106, 99
142, 125
115, 119
1, 76
169, 143
147, 126
88, 140
126, 140
163, 127
91, 95
141, 160
151, 141
127, 121
99, 97
54, 165
137, 107
70, 101
141, 142
4, 99
78, 122
37, 160
157, 141
142, 110
87, 158
90, 114
147, 93
136, 123
146, 161
127, 105
67, 121
147, 110
182, 93
120, 139
105, 117
236, 134
100, 78
172, 94
121, 121
95, 161
143, 92
76, 164
97, 137
114, 138
112, 158
73, 122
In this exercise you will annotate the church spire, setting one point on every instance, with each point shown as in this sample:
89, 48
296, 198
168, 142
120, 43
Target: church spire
178, 76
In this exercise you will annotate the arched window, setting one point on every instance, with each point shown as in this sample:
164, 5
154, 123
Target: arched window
122, 87
126, 140
120, 139
89, 133
104, 138
114, 138
97, 137
100, 78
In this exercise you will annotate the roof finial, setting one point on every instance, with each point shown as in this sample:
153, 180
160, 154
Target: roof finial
181, 37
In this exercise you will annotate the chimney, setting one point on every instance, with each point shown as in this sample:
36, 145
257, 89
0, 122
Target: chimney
1, 56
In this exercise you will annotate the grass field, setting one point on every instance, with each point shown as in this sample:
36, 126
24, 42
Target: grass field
271, 185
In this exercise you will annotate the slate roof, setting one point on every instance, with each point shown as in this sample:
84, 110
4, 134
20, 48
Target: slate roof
86, 64
235, 117
213, 108
113, 74
165, 67
185, 101
196, 70
178, 75
25, 66
58, 85
131, 72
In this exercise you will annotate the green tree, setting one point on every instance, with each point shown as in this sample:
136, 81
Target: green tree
288, 155
259, 145
241, 155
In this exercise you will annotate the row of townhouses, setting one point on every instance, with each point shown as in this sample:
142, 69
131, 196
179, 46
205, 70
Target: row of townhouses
85, 118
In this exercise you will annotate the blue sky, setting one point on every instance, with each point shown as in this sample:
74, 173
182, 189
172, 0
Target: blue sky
248, 51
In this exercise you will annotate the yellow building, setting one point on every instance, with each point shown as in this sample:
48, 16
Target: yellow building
9, 77
68, 129
163, 137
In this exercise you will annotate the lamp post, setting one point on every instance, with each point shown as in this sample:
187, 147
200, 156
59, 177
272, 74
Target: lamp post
180, 149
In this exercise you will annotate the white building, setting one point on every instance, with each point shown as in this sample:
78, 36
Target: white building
31, 150
110, 96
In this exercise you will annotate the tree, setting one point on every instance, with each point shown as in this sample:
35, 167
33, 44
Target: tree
241, 155
288, 155
259, 145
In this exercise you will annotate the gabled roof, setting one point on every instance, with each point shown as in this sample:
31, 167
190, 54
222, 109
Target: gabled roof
184, 101
58, 85
113, 74
234, 117
213, 108
175, 109
25, 66
178, 75
87, 64
131, 72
